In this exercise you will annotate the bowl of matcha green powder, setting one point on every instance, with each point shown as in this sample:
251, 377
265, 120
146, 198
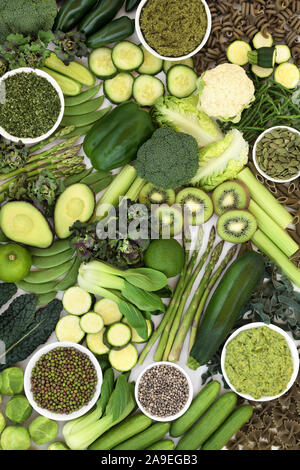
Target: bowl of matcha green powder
260, 362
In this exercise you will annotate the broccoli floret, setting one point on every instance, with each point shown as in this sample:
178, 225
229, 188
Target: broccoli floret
26, 16
169, 159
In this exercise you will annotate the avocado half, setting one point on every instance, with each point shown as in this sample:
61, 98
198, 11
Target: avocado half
22, 222
77, 202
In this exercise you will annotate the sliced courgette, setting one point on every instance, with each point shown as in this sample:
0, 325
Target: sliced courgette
119, 88
74, 70
261, 40
147, 89
101, 64
283, 53
127, 56
135, 337
68, 86
261, 72
91, 322
181, 81
68, 329
152, 65
117, 336
287, 75
124, 359
94, 342
263, 57
237, 52
109, 311
77, 301
168, 63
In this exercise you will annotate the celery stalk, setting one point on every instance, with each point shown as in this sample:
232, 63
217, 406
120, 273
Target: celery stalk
135, 189
265, 199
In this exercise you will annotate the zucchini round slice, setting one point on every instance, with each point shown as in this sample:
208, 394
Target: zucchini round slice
76, 301
135, 338
91, 322
260, 40
237, 53
261, 72
109, 311
94, 342
287, 75
127, 56
101, 64
124, 359
117, 336
147, 89
283, 53
152, 65
181, 81
170, 63
68, 329
119, 88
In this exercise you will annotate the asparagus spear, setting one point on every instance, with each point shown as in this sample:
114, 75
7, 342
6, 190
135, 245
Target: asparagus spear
53, 150
60, 134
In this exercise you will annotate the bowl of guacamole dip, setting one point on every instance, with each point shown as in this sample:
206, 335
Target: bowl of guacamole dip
260, 362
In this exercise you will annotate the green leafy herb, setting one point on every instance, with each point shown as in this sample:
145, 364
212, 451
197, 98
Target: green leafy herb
70, 45
12, 155
45, 190
7, 291
21, 51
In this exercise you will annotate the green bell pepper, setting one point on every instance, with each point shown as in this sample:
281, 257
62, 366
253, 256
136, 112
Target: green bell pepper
71, 14
114, 140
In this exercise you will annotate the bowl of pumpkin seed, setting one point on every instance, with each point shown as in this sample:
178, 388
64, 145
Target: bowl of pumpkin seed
276, 154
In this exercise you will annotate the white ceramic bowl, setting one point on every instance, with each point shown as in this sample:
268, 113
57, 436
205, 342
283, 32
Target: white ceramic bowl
186, 406
292, 347
265, 175
27, 382
173, 59
55, 85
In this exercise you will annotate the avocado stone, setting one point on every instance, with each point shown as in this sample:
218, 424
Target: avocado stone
77, 202
236, 226
166, 256
21, 222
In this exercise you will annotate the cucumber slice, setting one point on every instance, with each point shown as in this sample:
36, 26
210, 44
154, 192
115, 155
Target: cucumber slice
124, 359
147, 89
283, 53
101, 64
109, 311
237, 52
119, 88
287, 75
260, 40
68, 329
91, 322
152, 65
117, 336
261, 72
181, 81
135, 337
168, 63
127, 56
76, 301
94, 342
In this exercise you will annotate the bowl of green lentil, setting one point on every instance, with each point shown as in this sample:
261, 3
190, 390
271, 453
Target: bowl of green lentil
276, 154
63, 381
31, 105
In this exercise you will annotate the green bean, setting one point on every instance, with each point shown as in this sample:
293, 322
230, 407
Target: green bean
49, 274
52, 261
57, 247
82, 97
84, 108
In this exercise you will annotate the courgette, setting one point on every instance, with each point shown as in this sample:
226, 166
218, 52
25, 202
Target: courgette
283, 53
287, 75
117, 30
189, 62
237, 52
71, 12
131, 4
74, 70
94, 342
109, 311
146, 438
261, 72
77, 301
68, 329
263, 57
119, 89
124, 359
227, 302
91, 322
262, 40
117, 336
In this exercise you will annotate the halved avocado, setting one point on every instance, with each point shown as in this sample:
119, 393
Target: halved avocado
77, 202
22, 222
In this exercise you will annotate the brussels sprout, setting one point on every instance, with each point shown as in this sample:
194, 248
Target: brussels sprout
2, 422
15, 438
58, 446
43, 430
18, 409
12, 381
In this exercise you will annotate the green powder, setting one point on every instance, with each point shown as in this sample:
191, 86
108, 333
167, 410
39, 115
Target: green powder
173, 28
258, 362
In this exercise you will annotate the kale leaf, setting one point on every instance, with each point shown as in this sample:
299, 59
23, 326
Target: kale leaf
7, 291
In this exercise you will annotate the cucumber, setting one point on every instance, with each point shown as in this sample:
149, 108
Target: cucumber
68, 329
127, 56
124, 359
91, 322
237, 52
101, 64
83, 97
54, 260
44, 288
283, 53
209, 423
77, 301
199, 405
189, 62
108, 310
146, 438
70, 279
94, 342
68, 86
261, 72
287, 75
162, 445
260, 40
264, 57
135, 338
84, 119
84, 108
45, 299
181, 81
151, 65
74, 70
50, 274
121, 432
147, 89
57, 247
117, 336
119, 88
227, 302
235, 421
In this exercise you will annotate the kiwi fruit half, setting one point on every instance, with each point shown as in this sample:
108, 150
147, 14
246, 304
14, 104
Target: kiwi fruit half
168, 221
236, 226
151, 194
230, 195
197, 204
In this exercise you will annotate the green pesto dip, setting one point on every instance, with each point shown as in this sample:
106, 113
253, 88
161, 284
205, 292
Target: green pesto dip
258, 362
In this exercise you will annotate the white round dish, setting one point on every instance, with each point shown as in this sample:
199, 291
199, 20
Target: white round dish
27, 382
265, 175
55, 85
173, 59
292, 347
186, 406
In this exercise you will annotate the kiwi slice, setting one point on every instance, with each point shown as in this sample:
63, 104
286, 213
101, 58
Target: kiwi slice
168, 220
151, 194
197, 203
236, 226
230, 195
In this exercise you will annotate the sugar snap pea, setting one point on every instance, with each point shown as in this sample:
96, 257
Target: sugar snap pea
95, 176
101, 184
45, 299
44, 288
49, 274
82, 97
84, 119
84, 108
73, 179
71, 278
57, 247
52, 261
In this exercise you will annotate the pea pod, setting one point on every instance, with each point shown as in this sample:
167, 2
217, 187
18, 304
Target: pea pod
100, 16
52, 261
78, 177
82, 97
115, 31
132, 4
71, 13
95, 177
85, 119
71, 278
101, 184
84, 108
44, 288
45, 299
49, 274
57, 247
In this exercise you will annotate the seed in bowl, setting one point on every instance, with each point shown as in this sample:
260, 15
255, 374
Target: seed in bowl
163, 391
63, 380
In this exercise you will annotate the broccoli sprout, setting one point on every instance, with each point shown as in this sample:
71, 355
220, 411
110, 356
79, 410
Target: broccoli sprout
43, 430
12, 381
18, 409
58, 446
15, 438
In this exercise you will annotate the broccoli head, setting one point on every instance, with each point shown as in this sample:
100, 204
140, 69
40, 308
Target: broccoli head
169, 159
26, 16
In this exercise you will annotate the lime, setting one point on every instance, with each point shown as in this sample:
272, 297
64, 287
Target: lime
15, 262
165, 255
